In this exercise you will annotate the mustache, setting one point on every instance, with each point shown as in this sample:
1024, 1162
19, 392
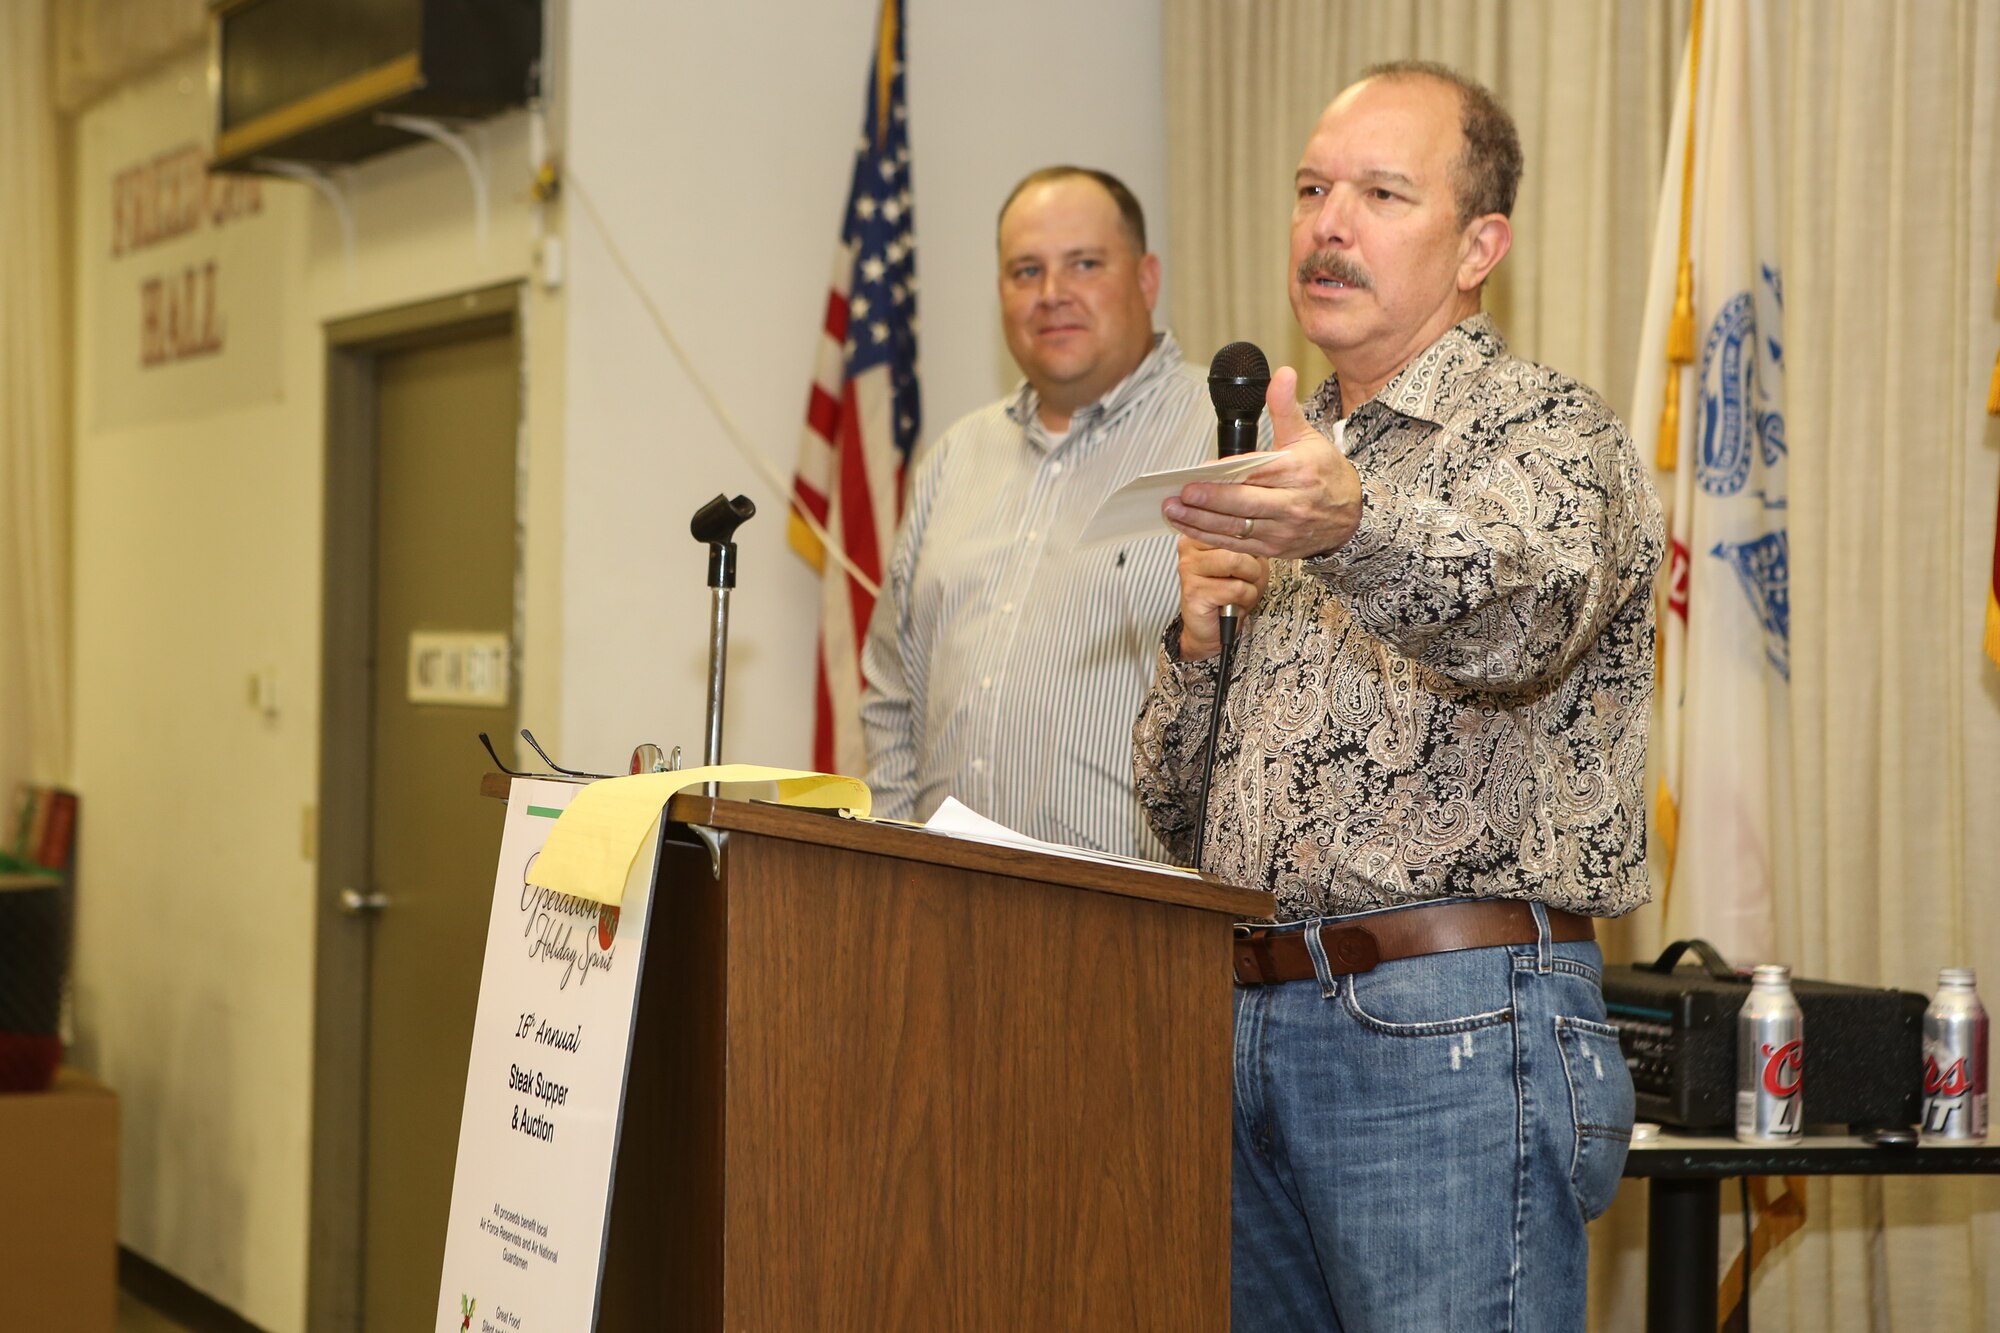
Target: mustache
1332, 264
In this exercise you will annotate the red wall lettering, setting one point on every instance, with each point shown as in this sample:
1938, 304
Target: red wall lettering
178, 318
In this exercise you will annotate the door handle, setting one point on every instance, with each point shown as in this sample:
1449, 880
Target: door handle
356, 903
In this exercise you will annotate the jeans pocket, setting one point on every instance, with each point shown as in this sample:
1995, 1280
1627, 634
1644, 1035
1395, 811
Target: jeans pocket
1435, 995
1601, 1109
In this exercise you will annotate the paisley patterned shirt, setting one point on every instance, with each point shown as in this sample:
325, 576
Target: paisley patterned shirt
1455, 702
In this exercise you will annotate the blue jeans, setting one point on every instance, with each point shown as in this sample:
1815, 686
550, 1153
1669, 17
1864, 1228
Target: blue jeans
1419, 1146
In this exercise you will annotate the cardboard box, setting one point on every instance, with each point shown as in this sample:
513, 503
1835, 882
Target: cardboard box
59, 1207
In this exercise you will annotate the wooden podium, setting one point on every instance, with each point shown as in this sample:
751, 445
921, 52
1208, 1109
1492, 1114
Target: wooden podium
883, 1079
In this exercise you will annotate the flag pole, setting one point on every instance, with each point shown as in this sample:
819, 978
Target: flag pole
1993, 586
886, 26
1993, 398
1680, 332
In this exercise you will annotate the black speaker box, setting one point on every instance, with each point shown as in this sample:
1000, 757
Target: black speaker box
312, 80
1864, 1047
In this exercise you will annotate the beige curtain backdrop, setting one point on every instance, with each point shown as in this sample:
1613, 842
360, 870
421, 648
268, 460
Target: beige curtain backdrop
53, 57
34, 446
1590, 86
1888, 132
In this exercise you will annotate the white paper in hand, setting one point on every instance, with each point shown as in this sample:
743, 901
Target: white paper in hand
1133, 510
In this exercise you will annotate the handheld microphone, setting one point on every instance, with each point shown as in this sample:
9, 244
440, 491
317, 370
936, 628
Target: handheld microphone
1237, 379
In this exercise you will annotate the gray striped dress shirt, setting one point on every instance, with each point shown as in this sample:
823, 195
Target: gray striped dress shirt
1005, 664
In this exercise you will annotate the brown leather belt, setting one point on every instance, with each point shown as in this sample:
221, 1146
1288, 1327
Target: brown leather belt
1359, 943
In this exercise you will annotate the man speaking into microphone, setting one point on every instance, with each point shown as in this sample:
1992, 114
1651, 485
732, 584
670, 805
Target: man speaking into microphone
1432, 752
1004, 662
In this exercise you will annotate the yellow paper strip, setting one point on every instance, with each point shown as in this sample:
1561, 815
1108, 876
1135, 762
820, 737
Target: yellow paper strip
591, 849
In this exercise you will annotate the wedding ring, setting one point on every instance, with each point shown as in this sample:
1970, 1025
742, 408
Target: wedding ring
1248, 524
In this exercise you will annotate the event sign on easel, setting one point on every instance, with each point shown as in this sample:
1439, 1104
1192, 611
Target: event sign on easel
545, 1089
552, 1038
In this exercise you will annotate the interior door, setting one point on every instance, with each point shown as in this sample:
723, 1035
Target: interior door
447, 419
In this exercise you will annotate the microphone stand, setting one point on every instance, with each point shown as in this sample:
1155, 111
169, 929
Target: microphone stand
716, 523
1226, 627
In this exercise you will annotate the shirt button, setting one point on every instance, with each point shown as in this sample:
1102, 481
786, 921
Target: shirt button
979, 765
1055, 469
1006, 608
1034, 536
986, 682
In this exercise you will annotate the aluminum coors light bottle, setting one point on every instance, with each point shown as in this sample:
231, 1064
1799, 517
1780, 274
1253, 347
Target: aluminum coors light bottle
1955, 1059
1770, 1060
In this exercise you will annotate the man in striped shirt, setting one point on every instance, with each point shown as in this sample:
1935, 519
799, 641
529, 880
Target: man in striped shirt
1004, 662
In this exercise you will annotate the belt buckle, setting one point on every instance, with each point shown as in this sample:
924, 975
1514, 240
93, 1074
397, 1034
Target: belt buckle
1242, 954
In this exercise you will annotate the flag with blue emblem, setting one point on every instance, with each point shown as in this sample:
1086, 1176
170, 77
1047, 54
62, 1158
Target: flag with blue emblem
862, 417
1710, 409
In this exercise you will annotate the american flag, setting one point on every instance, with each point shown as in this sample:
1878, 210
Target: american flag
863, 416
1721, 740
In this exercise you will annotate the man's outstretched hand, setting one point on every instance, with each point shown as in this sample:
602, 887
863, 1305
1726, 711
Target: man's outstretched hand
1306, 501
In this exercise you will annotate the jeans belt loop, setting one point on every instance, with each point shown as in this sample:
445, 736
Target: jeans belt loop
1323, 968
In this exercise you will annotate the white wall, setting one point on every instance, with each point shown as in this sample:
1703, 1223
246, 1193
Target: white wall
717, 141
197, 560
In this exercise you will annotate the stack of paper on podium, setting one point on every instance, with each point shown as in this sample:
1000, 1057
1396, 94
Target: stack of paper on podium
961, 821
